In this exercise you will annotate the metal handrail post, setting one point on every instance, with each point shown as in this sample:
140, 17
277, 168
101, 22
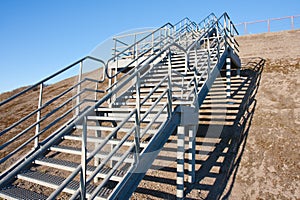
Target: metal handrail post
79, 88
38, 116
137, 118
187, 62
169, 83
208, 59
218, 40
152, 43
83, 160
196, 57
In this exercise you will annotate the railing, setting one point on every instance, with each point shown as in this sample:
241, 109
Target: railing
51, 113
180, 33
147, 46
217, 44
136, 129
269, 25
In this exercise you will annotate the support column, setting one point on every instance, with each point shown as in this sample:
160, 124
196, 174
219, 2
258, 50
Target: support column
228, 78
180, 162
192, 149
187, 127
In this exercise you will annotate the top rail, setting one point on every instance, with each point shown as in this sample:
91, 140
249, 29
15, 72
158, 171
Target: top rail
50, 77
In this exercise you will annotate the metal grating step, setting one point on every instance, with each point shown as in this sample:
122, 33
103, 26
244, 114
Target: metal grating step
54, 181
119, 119
101, 155
15, 192
122, 110
71, 166
95, 139
107, 128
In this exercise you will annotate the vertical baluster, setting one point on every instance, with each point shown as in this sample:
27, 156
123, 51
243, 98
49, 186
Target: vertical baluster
208, 59
169, 84
38, 116
137, 118
79, 89
83, 160
292, 23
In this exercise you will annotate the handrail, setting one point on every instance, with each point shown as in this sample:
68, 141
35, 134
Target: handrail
52, 115
211, 15
50, 77
149, 35
112, 58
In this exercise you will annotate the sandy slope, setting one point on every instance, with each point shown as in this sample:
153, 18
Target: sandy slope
270, 166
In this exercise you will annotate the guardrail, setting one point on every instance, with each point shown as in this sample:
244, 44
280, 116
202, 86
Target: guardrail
50, 113
223, 28
269, 25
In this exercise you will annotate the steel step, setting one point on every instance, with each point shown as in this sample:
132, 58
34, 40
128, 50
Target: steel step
100, 140
121, 110
71, 166
16, 193
133, 104
119, 119
101, 155
177, 102
107, 128
54, 181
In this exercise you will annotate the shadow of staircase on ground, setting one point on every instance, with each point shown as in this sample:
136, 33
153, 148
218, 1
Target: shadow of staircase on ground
221, 138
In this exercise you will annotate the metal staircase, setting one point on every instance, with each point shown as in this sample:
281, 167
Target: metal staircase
97, 143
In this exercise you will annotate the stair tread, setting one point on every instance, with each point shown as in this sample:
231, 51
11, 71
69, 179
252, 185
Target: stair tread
72, 166
54, 181
119, 119
77, 151
99, 140
14, 192
108, 128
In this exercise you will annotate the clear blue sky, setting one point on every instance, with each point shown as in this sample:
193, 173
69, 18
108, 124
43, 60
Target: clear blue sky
38, 37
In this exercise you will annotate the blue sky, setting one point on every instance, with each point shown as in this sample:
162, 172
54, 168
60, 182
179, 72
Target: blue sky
39, 37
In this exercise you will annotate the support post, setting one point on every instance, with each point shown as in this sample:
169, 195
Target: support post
187, 126
180, 162
192, 149
228, 78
